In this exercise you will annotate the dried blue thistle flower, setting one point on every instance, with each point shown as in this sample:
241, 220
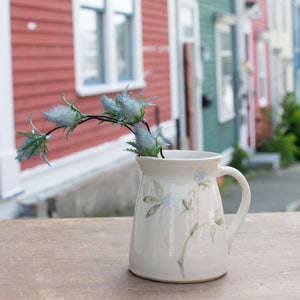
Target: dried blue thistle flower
110, 107
65, 116
61, 115
26, 150
131, 109
146, 144
125, 111
33, 145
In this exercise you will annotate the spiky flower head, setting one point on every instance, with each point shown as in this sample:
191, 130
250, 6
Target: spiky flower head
132, 111
61, 115
65, 116
110, 107
146, 144
34, 144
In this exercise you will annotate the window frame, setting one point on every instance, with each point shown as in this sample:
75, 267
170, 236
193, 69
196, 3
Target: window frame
223, 115
112, 83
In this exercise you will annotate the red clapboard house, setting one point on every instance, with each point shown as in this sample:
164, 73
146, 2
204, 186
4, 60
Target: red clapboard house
84, 49
261, 75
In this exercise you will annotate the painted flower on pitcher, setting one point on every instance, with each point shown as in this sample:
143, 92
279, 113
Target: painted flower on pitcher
158, 199
155, 200
199, 175
200, 178
169, 201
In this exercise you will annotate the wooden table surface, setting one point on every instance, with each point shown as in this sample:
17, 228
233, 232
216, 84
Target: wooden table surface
88, 259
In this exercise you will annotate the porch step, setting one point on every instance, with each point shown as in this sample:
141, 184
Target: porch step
265, 160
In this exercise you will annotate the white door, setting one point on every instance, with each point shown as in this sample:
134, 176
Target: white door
189, 32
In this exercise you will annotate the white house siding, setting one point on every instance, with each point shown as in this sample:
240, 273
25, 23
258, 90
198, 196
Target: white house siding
281, 40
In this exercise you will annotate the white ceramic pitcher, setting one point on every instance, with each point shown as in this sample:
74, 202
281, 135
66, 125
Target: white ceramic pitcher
179, 232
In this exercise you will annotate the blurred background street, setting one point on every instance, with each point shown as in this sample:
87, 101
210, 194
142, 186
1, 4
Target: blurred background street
271, 191
224, 77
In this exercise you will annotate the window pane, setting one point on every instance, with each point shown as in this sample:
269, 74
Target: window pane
262, 87
123, 42
123, 6
91, 46
226, 43
262, 92
225, 74
227, 66
227, 89
99, 4
187, 16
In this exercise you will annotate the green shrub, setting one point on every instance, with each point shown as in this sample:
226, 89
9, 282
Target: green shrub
285, 144
286, 137
240, 159
290, 119
263, 120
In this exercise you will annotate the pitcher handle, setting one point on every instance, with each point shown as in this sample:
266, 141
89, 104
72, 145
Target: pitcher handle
244, 205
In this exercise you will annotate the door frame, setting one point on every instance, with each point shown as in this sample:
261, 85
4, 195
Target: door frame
177, 41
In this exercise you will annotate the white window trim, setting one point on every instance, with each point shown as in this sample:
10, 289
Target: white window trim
261, 46
112, 84
221, 116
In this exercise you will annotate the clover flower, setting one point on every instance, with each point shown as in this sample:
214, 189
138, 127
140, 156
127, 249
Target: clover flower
146, 144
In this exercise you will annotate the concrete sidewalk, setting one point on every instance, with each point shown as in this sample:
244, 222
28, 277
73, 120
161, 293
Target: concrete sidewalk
274, 191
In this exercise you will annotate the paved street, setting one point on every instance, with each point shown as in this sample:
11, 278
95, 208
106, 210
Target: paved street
274, 191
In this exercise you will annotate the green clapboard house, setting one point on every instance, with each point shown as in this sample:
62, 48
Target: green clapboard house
218, 55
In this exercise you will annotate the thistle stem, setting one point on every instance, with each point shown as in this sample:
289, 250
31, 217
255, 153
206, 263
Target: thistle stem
93, 117
146, 124
53, 129
107, 119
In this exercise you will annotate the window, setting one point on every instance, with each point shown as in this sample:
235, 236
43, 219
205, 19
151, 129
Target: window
274, 14
297, 28
262, 73
187, 16
90, 21
224, 62
107, 36
284, 16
